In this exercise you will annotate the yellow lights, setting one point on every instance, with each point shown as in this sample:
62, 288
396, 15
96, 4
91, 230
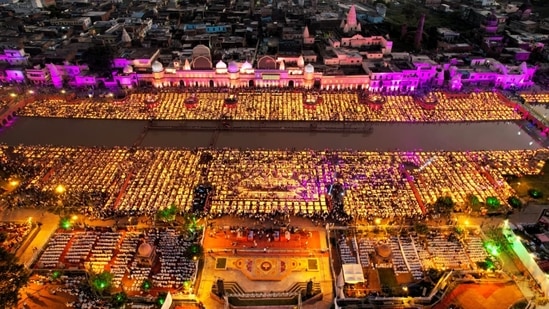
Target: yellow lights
31, 91
29, 220
405, 288
13, 95
60, 189
466, 222
14, 183
63, 91
377, 221
74, 218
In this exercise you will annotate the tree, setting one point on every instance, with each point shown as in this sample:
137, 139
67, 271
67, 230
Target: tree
493, 202
535, 193
99, 59
473, 201
444, 204
119, 299
101, 282
496, 241
421, 228
194, 251
514, 201
167, 214
14, 277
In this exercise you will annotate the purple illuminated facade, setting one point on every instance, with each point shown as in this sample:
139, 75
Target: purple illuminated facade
407, 75
382, 70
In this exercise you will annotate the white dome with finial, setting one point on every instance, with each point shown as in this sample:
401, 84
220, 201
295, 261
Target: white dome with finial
157, 67
221, 65
246, 65
128, 69
309, 68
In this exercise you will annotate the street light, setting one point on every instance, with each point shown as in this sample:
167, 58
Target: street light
60, 189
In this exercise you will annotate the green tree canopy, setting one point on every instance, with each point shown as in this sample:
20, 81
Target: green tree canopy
167, 214
14, 277
194, 251
514, 201
493, 202
444, 204
119, 299
535, 193
101, 282
421, 228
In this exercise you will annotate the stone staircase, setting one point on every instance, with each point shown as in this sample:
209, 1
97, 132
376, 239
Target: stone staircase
234, 288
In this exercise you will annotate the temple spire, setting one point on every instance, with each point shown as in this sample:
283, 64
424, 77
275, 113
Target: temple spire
351, 17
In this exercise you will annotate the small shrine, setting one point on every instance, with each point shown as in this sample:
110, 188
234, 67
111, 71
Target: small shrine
146, 254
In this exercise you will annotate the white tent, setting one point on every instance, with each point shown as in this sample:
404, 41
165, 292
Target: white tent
352, 273
168, 301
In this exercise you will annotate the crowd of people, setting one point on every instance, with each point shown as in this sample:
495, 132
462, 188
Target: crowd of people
411, 253
142, 181
268, 104
13, 234
116, 252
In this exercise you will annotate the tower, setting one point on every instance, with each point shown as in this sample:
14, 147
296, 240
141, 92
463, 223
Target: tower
350, 23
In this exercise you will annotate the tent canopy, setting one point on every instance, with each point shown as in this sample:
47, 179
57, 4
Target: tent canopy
352, 273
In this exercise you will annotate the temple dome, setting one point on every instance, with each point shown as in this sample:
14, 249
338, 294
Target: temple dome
233, 67
157, 67
128, 69
309, 68
246, 66
145, 249
384, 251
221, 65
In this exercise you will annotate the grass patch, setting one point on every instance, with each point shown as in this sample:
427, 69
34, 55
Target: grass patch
388, 279
221, 263
312, 264
521, 185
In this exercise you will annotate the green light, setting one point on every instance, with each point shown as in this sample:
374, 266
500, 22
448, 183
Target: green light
492, 202
66, 223
56, 274
492, 249
161, 301
490, 264
535, 193
146, 285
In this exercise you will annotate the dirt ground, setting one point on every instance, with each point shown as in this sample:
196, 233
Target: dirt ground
482, 296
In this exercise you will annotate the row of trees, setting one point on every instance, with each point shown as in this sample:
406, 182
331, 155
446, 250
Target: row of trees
14, 276
445, 204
